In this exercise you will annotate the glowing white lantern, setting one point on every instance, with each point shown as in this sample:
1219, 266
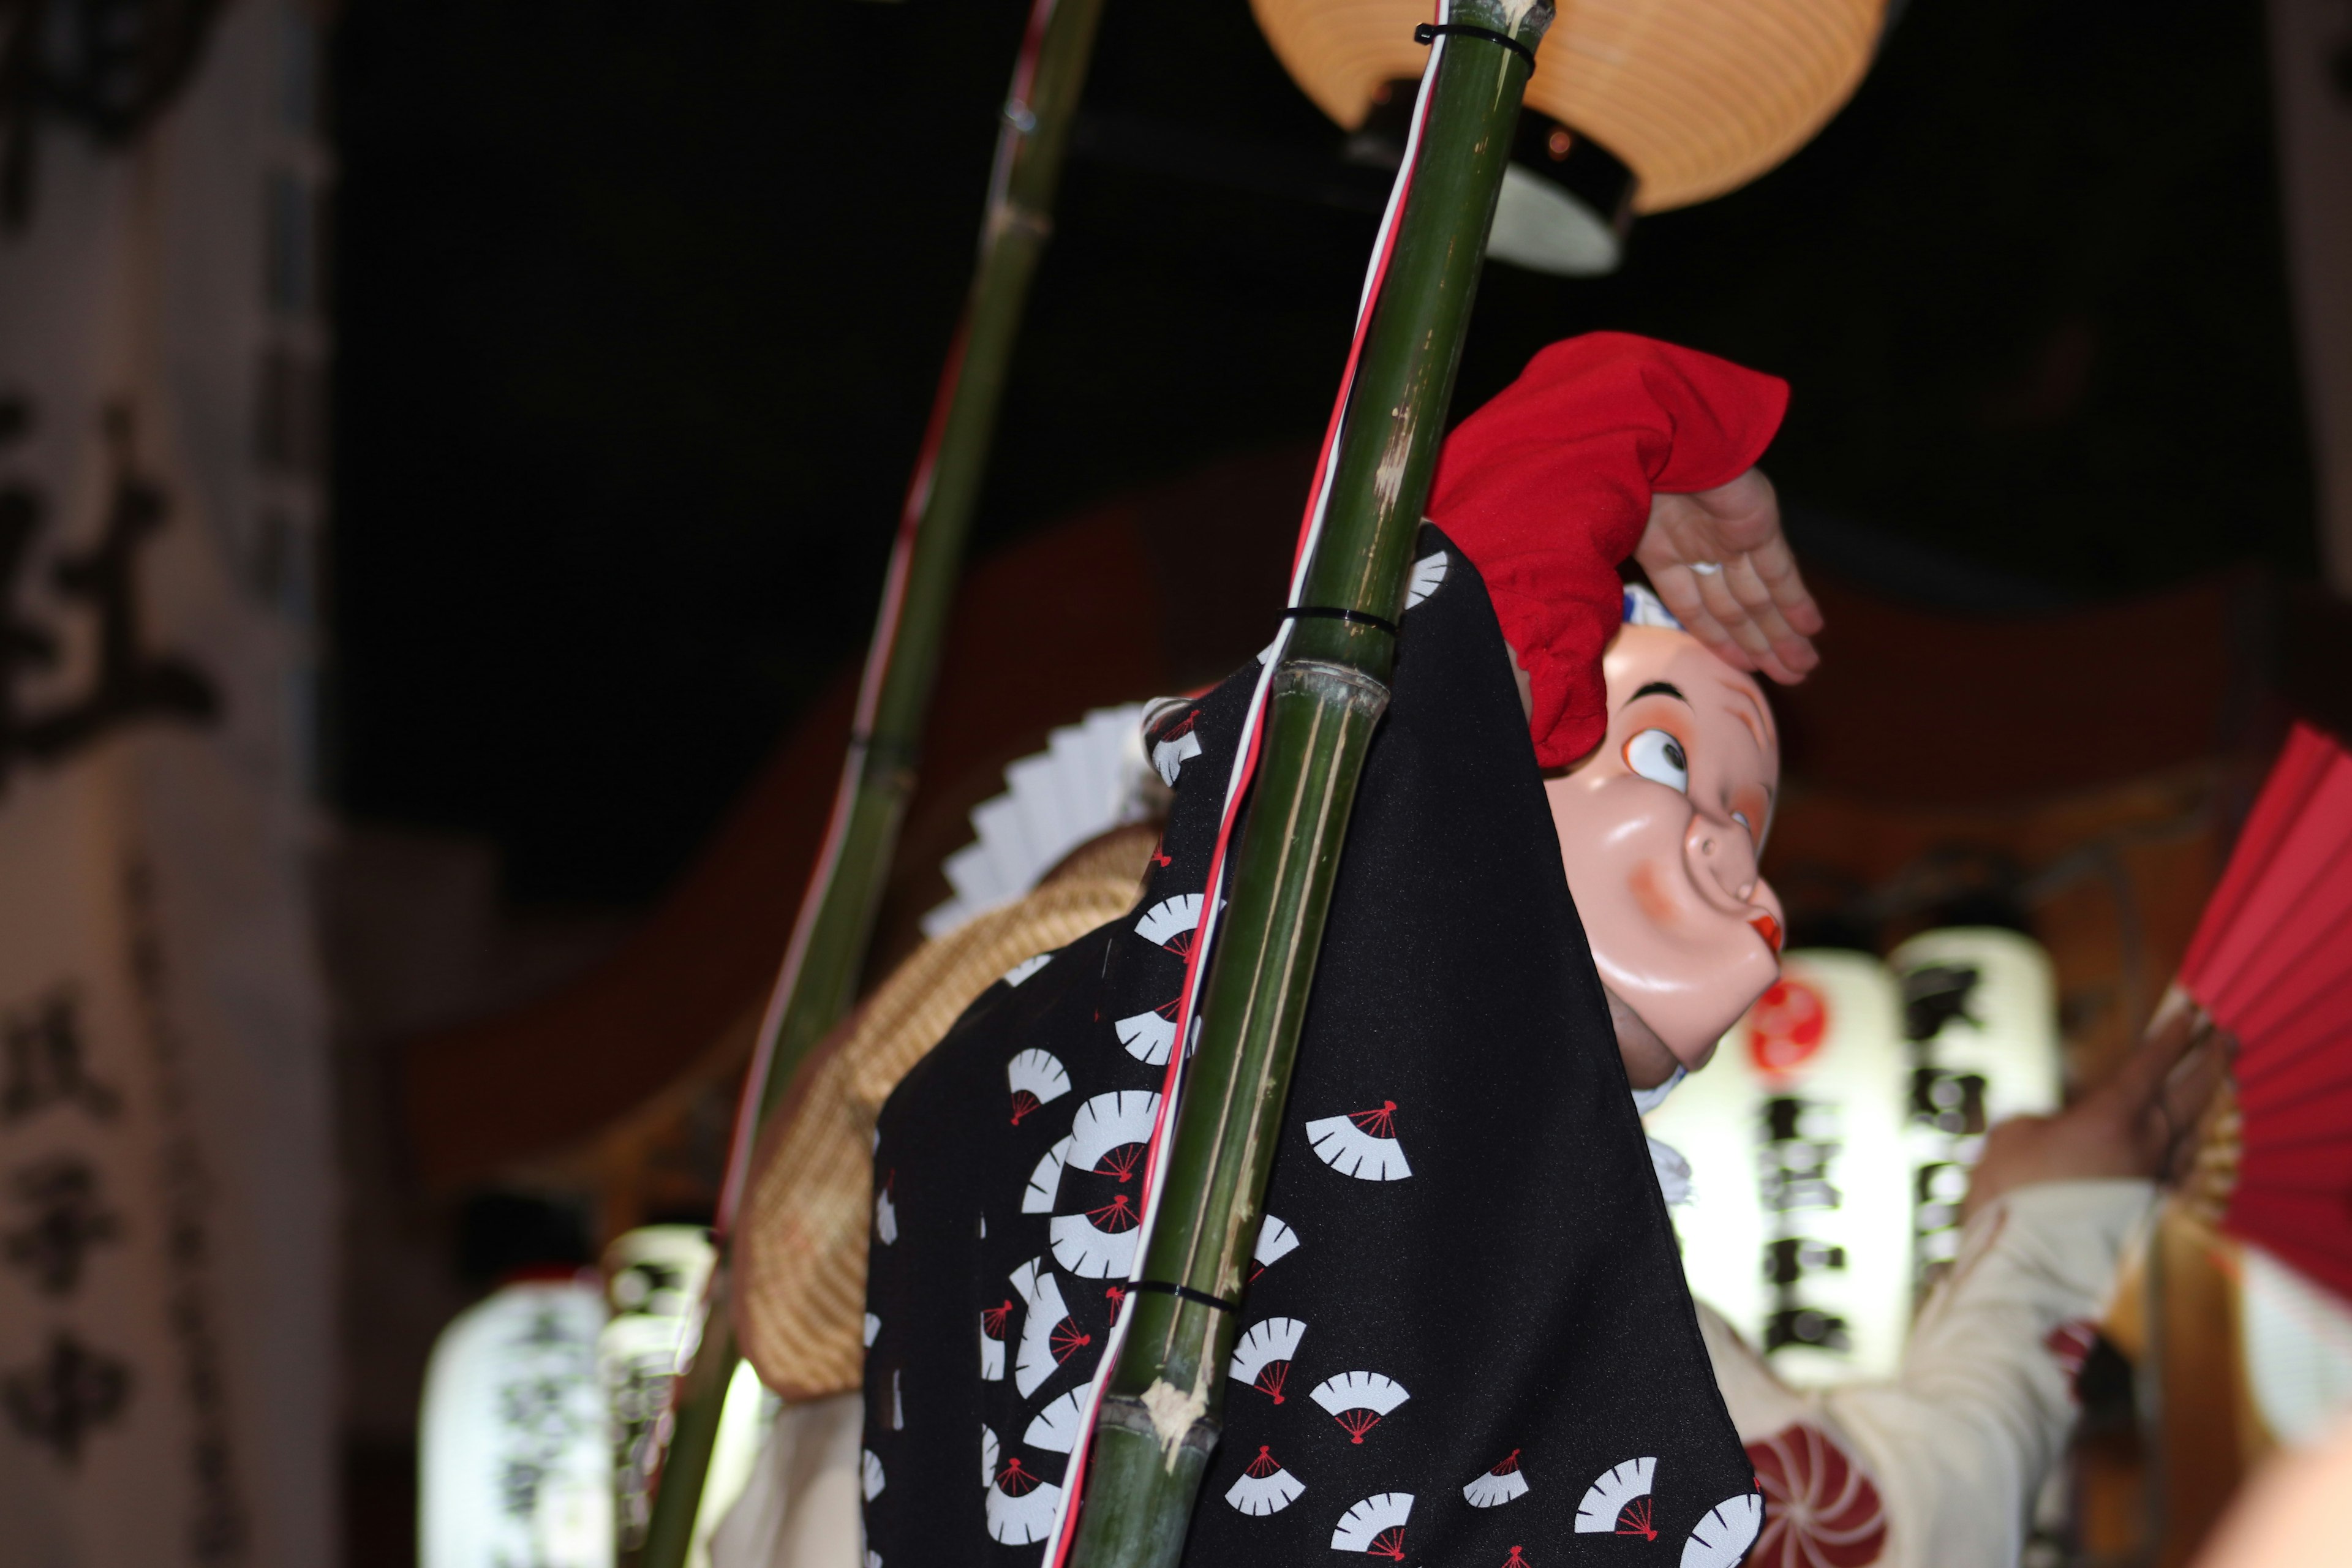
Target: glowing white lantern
1981, 1015
515, 1459
1799, 1229
656, 1276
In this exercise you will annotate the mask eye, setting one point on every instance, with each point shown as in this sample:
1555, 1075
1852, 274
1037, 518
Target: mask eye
1658, 757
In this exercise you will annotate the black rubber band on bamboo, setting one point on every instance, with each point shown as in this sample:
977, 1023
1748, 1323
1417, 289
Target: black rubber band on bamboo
1427, 33
1332, 612
1185, 1292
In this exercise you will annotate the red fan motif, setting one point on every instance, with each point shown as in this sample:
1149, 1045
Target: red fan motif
1821, 1510
1636, 1519
2271, 961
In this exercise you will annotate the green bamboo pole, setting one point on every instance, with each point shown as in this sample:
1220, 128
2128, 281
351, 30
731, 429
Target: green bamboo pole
830, 939
1160, 1414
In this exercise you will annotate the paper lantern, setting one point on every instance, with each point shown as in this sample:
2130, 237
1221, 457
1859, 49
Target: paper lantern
1798, 1230
655, 1276
1980, 1018
514, 1458
1689, 98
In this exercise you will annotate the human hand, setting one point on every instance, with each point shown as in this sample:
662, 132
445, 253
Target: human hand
1719, 561
2137, 1123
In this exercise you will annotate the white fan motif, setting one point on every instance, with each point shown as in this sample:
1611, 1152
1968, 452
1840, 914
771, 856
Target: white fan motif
1048, 1334
989, 1454
991, 1342
1361, 1144
1026, 967
1169, 755
1056, 1427
1149, 1037
869, 1472
1093, 776
1605, 1499
886, 1218
1100, 1243
1719, 1540
1375, 1525
1037, 1077
873, 1327
1263, 1487
1262, 1356
1505, 1483
873, 1558
1276, 1241
1357, 1400
1045, 1180
1021, 1507
1109, 1121
1171, 922
1428, 576
897, 1406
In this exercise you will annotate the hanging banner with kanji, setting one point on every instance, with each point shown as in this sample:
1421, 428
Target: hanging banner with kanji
167, 1384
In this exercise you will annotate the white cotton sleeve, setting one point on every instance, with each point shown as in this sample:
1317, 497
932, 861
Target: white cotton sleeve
800, 1507
1959, 1442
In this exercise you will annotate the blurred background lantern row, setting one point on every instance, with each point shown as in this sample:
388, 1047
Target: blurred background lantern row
545, 1404
1831, 1138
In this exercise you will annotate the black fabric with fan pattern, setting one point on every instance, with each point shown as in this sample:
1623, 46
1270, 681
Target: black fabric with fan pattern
1469, 1340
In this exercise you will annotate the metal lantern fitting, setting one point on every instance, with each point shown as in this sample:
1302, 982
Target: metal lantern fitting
1637, 106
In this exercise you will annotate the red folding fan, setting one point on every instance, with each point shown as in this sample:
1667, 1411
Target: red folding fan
2271, 961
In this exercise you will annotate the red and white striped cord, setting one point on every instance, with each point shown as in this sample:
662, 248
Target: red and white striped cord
1310, 533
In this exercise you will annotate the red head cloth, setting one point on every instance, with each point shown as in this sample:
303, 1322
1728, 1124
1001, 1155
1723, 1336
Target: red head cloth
1548, 488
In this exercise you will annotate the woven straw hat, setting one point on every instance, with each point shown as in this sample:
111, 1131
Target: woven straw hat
800, 1244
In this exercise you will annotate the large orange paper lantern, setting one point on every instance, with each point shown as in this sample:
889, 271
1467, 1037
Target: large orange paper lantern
1694, 97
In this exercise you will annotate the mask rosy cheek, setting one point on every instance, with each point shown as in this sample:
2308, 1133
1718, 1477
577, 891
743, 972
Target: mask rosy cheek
1652, 900
1769, 928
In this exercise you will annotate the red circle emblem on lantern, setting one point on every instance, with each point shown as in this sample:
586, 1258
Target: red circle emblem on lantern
1786, 1025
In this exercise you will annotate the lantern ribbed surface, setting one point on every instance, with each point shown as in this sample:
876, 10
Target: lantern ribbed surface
1698, 96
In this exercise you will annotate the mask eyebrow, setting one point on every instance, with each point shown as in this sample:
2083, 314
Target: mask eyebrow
1659, 689
1753, 714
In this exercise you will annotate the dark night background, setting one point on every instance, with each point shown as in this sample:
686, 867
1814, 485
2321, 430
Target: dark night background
640, 307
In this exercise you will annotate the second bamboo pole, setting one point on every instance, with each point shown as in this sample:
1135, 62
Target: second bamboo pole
837, 921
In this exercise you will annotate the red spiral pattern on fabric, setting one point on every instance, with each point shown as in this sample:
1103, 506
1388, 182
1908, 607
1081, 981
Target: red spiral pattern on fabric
1820, 1509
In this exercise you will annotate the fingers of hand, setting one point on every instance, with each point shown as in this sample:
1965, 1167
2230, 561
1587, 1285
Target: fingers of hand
1791, 653
1742, 515
1752, 609
1777, 569
2179, 1027
1738, 618
1678, 587
2188, 1090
